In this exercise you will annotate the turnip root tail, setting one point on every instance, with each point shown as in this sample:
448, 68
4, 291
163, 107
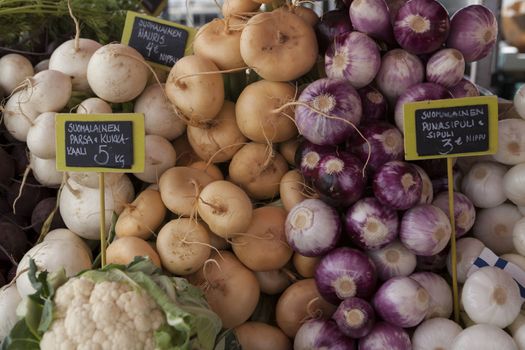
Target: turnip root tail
208, 163
312, 314
21, 189
328, 116
307, 191
184, 76
207, 283
270, 236
185, 241
77, 27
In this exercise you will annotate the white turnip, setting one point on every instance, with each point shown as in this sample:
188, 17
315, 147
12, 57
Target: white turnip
160, 156
72, 58
258, 169
279, 45
14, 68
198, 94
256, 113
232, 291
142, 217
117, 73
180, 187
159, 116
79, 205
225, 207
220, 41
220, 138
183, 246
263, 246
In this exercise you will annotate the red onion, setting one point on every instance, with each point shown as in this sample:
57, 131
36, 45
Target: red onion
465, 88
385, 336
331, 24
308, 155
402, 302
425, 229
440, 304
339, 179
398, 185
372, 17
446, 67
343, 273
354, 57
393, 260
419, 92
464, 211
355, 317
312, 227
427, 191
473, 31
421, 26
373, 103
386, 144
399, 70
371, 225
335, 98
320, 335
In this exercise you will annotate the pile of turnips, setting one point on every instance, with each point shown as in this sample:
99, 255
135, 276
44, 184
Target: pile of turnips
292, 196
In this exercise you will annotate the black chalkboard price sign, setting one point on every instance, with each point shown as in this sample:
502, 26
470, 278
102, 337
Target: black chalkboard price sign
451, 128
161, 42
94, 142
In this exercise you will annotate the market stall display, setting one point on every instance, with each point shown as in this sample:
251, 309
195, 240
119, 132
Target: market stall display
276, 209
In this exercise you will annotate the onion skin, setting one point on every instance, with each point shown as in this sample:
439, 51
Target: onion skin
399, 70
402, 302
425, 230
418, 92
340, 180
440, 304
334, 97
373, 103
421, 26
385, 336
372, 17
427, 191
371, 225
473, 31
386, 143
345, 272
353, 57
398, 185
393, 260
355, 317
331, 24
312, 228
321, 334
465, 88
464, 211
446, 67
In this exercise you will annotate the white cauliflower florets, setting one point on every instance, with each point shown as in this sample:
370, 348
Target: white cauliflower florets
102, 316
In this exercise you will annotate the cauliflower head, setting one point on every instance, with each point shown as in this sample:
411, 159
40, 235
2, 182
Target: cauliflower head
102, 316
119, 307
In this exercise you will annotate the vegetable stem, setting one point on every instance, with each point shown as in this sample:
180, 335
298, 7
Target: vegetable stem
102, 219
453, 252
